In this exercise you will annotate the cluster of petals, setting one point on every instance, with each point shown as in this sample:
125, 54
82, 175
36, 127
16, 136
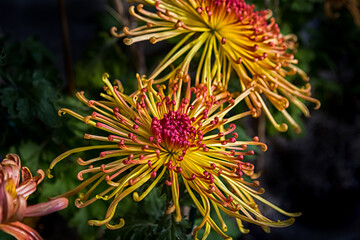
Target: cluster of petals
220, 37
13, 195
182, 137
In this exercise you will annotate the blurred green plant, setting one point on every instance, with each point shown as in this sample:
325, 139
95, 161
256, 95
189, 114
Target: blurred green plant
104, 54
30, 89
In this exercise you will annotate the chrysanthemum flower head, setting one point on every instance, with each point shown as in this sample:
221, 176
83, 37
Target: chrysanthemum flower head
227, 35
182, 137
331, 6
13, 195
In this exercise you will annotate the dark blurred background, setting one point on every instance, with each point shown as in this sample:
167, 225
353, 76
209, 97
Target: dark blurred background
50, 49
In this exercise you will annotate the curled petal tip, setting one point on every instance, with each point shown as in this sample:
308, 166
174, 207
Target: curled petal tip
244, 230
41, 175
114, 32
116, 226
78, 203
269, 13
264, 147
14, 157
128, 41
261, 191
291, 37
48, 173
61, 112
132, 10
105, 76
26, 174
318, 104
283, 127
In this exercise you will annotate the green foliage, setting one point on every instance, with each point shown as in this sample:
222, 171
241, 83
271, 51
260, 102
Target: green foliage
79, 219
147, 220
29, 101
29, 90
98, 60
104, 54
306, 6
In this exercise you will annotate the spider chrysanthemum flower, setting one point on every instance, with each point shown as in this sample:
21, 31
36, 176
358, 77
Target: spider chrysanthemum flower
331, 6
173, 138
228, 35
13, 195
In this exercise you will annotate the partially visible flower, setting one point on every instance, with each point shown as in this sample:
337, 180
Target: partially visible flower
13, 195
227, 35
334, 5
179, 137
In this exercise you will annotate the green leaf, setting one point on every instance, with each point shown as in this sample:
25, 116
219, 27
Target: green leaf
79, 221
47, 113
23, 109
29, 153
8, 98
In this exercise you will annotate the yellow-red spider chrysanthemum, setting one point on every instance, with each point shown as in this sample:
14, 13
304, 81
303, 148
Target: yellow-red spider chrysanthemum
179, 137
227, 34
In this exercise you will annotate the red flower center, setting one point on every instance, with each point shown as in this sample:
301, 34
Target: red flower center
174, 130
